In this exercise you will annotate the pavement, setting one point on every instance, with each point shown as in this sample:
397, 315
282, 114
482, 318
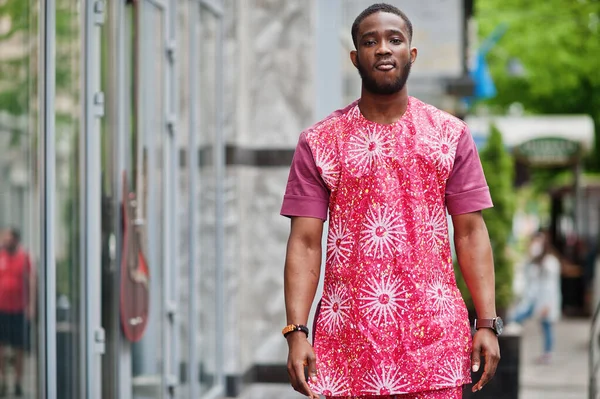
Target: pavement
566, 377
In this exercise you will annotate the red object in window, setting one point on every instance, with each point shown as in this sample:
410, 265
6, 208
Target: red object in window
135, 274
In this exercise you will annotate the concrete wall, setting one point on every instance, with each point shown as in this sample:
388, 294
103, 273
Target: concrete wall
270, 52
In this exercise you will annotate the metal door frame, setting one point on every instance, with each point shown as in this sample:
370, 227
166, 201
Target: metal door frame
47, 178
92, 340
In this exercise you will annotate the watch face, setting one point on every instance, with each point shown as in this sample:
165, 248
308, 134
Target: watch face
499, 325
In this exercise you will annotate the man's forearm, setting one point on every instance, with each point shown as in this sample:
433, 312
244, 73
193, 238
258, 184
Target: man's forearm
476, 262
301, 278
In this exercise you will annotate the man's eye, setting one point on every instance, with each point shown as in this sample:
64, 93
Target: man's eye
369, 42
396, 41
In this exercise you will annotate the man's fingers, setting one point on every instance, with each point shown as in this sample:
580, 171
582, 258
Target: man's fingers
312, 369
476, 358
476, 363
301, 380
292, 374
491, 363
483, 380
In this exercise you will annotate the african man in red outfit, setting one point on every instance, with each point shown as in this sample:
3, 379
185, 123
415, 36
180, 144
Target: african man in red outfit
385, 171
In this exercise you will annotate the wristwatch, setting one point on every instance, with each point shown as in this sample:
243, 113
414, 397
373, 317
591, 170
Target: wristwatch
496, 324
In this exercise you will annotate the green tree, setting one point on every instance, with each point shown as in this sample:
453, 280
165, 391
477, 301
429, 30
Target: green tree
499, 170
557, 42
19, 72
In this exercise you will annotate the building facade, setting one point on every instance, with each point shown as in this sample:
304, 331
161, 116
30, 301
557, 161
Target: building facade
144, 150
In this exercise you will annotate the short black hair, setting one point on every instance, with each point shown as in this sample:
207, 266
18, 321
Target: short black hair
15, 233
375, 8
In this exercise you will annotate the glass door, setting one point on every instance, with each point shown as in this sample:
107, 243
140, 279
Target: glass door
20, 199
154, 359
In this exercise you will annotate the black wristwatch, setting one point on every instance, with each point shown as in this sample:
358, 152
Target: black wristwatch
496, 324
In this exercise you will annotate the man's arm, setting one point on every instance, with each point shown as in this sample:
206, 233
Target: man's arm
32, 282
301, 278
474, 253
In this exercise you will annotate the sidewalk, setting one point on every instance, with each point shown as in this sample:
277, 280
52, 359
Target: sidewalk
567, 376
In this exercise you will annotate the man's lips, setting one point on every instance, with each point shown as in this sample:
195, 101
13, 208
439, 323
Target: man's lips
385, 65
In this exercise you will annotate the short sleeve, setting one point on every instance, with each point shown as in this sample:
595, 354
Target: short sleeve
306, 193
467, 190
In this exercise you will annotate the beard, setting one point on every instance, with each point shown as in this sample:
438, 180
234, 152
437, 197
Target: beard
372, 86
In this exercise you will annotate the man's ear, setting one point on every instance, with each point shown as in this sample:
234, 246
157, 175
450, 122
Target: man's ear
354, 58
413, 55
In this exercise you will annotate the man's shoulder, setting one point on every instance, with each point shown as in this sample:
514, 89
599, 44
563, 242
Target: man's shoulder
21, 255
420, 108
324, 126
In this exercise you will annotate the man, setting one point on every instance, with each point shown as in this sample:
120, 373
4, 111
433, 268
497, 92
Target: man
17, 290
391, 322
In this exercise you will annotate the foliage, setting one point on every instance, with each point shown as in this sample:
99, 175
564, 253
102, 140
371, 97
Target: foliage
19, 71
557, 42
499, 169
14, 69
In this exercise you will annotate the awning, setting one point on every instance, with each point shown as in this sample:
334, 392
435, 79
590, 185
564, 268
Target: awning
519, 129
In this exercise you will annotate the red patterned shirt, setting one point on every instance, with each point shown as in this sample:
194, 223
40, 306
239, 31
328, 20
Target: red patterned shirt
391, 320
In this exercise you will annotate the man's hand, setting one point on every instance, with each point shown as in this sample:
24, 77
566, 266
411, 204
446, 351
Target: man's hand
485, 343
301, 354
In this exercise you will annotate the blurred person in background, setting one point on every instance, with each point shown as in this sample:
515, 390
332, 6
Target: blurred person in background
542, 296
385, 169
17, 301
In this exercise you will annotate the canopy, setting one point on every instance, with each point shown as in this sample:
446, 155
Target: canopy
519, 129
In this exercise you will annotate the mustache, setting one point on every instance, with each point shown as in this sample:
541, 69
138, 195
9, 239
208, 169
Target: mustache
370, 84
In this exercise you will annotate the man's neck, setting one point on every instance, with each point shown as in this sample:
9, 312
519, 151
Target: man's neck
383, 109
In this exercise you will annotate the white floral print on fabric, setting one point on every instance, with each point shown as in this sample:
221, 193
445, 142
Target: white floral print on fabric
382, 232
368, 148
384, 300
442, 296
338, 243
335, 308
387, 240
327, 166
386, 381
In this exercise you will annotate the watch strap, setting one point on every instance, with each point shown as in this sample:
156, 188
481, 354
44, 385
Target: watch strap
485, 323
290, 328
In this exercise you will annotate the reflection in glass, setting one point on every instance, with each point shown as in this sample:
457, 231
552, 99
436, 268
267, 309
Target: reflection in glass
148, 359
19, 199
68, 203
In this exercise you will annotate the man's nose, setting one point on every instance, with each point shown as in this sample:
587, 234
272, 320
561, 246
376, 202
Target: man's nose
383, 49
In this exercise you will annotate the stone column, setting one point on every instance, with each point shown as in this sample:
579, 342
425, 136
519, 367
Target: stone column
270, 51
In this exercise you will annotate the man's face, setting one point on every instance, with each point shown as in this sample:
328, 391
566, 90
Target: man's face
384, 56
8, 241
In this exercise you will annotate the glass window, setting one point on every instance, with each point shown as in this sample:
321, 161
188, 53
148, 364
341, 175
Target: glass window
19, 198
148, 357
67, 201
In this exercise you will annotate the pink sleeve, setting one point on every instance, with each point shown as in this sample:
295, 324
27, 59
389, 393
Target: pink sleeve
306, 193
466, 189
